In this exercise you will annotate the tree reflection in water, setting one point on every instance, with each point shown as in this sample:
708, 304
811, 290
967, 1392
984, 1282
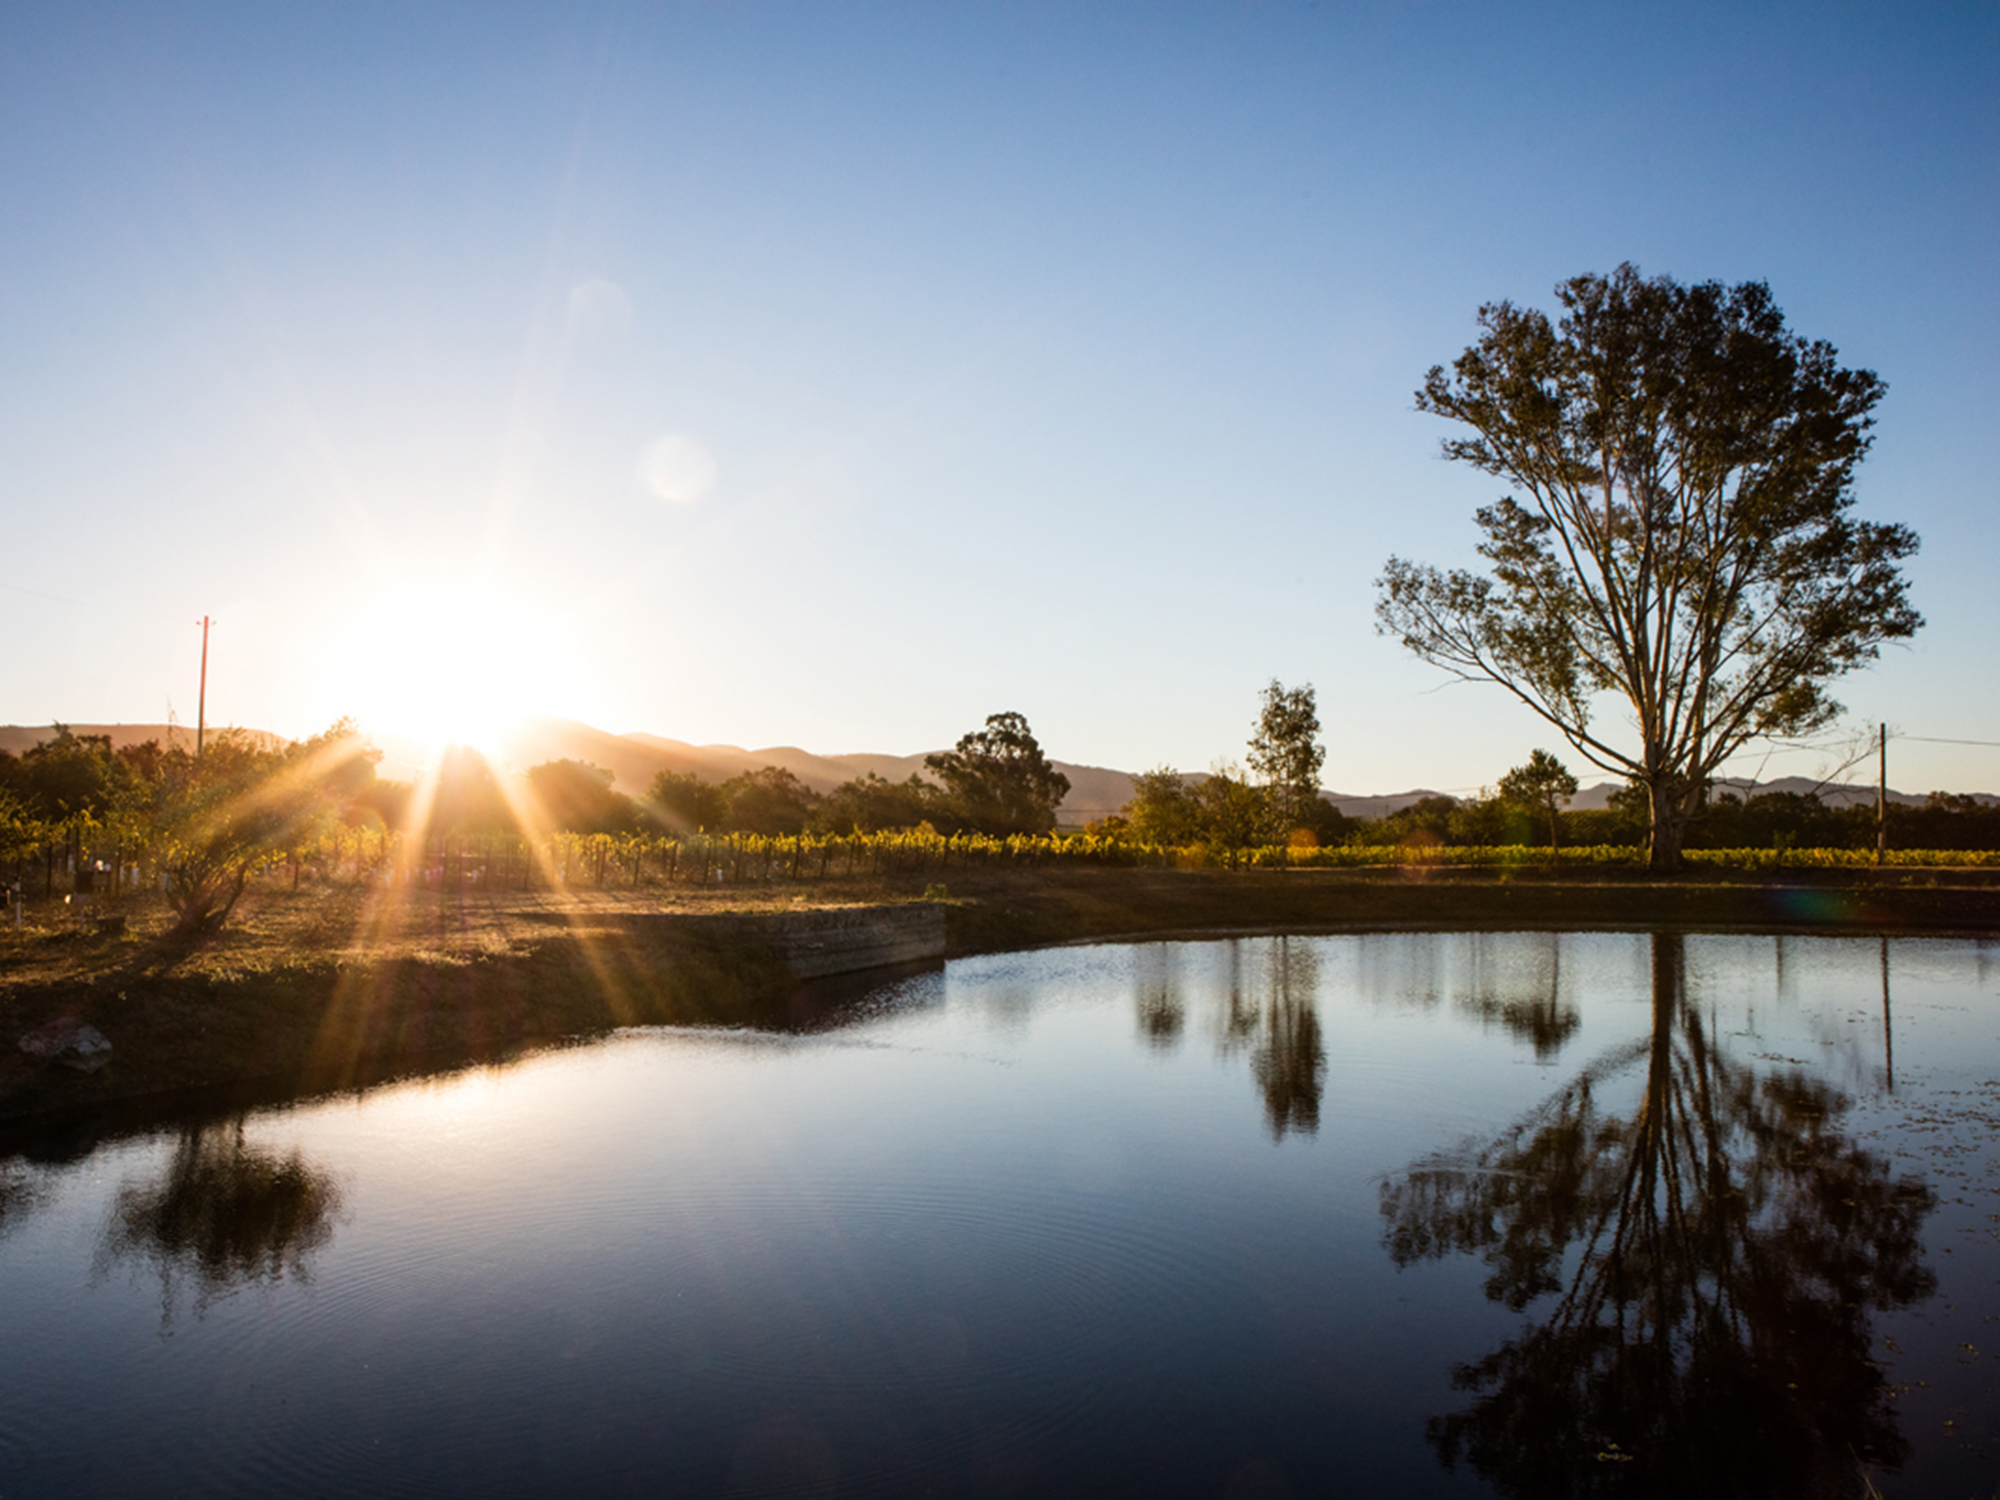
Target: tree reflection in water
1157, 1002
1288, 1058
1534, 1011
226, 1213
1714, 1257
21, 1193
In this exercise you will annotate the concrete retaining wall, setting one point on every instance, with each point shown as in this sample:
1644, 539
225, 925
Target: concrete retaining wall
839, 940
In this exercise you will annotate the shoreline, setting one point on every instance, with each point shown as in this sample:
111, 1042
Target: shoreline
333, 988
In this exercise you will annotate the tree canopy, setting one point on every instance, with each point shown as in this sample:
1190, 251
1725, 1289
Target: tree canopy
998, 780
1541, 784
769, 800
217, 816
580, 797
686, 802
869, 804
1680, 533
1164, 809
1286, 755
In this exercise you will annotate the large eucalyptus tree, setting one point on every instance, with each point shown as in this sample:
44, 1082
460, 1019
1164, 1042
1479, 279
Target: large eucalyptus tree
1679, 533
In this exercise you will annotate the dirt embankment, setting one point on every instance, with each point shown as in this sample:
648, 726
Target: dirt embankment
333, 987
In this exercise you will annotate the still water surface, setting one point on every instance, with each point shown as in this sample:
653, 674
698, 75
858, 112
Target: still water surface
1398, 1214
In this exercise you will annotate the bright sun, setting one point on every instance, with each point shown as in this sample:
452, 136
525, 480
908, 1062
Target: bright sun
453, 664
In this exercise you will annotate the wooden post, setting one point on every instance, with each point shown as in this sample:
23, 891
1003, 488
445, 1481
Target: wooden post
1882, 795
201, 701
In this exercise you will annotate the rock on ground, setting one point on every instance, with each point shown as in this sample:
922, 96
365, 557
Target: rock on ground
73, 1043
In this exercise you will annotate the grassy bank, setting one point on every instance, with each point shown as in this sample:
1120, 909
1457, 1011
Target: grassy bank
334, 986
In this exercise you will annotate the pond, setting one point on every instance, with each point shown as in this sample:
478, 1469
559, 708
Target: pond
1398, 1214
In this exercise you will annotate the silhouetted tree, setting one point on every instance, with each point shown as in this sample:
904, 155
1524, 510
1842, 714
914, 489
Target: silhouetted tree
579, 797
998, 781
69, 783
687, 803
769, 800
869, 804
240, 804
467, 797
1684, 537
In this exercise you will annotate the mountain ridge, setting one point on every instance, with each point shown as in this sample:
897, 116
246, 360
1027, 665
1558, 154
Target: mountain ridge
636, 757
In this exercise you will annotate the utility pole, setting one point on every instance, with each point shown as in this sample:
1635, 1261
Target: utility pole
1882, 793
201, 703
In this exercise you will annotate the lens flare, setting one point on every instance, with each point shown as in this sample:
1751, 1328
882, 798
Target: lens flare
678, 469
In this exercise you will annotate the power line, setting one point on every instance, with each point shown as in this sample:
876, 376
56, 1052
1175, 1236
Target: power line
43, 594
1931, 739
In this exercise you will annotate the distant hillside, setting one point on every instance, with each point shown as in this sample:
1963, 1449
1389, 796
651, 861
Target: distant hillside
1378, 807
1093, 790
15, 738
1832, 793
635, 759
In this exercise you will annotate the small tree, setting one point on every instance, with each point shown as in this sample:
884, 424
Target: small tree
71, 782
1233, 813
1541, 787
1163, 810
999, 781
686, 802
1286, 755
241, 804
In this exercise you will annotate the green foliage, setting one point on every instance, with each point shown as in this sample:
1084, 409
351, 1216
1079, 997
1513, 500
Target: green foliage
997, 780
870, 804
1945, 821
1286, 756
768, 800
1680, 536
1543, 784
1427, 820
1231, 813
686, 803
21, 831
71, 779
1606, 825
1484, 821
218, 816
1163, 809
1222, 812
578, 797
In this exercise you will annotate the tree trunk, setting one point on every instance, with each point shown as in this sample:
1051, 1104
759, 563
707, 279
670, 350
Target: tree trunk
1671, 805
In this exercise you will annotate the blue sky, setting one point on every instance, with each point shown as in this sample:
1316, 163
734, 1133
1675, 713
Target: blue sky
837, 375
